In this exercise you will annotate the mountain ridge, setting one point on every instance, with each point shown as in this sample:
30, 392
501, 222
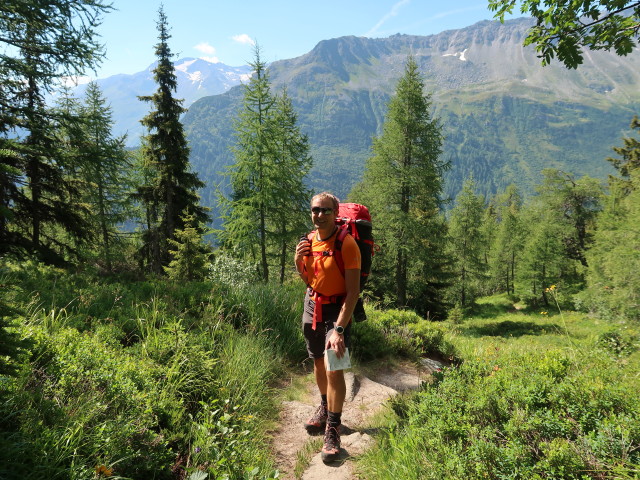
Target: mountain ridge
504, 116
196, 78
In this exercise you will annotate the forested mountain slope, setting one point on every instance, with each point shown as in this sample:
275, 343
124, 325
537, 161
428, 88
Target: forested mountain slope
505, 117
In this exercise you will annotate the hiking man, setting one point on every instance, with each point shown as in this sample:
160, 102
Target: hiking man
328, 305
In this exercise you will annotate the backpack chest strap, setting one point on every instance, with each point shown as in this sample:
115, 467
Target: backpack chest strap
327, 253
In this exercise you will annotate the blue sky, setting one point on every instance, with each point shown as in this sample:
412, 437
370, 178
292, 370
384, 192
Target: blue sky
224, 30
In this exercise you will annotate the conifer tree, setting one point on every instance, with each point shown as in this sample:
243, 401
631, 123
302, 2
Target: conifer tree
190, 255
268, 201
252, 185
292, 164
466, 242
626, 165
41, 42
508, 240
575, 204
173, 186
104, 165
402, 184
544, 262
613, 283
561, 224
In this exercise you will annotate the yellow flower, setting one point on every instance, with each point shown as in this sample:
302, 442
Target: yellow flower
102, 470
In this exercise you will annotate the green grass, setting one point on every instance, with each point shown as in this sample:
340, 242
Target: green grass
144, 378
152, 379
538, 395
155, 379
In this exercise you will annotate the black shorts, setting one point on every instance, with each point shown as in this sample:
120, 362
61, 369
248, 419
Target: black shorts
316, 340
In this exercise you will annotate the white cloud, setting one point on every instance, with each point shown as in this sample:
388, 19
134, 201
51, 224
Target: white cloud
392, 13
205, 48
208, 51
243, 38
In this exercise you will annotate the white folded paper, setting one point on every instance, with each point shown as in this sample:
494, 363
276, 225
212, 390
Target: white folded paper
332, 362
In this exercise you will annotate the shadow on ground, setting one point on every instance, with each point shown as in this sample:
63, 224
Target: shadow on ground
490, 310
510, 328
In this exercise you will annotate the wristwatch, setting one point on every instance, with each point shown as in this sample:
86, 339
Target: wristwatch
339, 329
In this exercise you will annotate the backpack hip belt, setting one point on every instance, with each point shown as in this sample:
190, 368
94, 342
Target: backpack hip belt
320, 299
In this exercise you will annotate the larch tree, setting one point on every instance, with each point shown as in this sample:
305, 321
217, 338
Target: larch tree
402, 185
575, 204
104, 167
508, 240
627, 163
613, 283
253, 176
543, 261
172, 190
561, 221
292, 163
42, 43
466, 240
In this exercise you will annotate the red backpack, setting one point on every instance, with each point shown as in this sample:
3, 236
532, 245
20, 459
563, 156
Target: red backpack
354, 219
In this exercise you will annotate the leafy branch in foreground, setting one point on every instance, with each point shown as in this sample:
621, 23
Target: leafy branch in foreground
564, 28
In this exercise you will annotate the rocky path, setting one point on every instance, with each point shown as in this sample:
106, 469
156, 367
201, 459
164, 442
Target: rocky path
366, 394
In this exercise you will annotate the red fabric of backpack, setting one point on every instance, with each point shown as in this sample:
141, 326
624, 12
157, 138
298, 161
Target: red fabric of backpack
355, 220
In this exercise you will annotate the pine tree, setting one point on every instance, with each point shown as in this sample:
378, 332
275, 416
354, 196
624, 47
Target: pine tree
402, 184
292, 164
508, 240
466, 242
191, 255
41, 43
104, 164
174, 186
268, 206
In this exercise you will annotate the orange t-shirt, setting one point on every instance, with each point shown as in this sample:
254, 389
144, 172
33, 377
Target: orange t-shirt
323, 273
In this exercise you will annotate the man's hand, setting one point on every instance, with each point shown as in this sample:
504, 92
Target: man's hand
336, 342
303, 249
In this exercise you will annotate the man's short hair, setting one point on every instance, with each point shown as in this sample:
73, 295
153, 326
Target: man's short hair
330, 196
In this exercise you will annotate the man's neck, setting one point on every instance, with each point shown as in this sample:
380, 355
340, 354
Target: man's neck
325, 234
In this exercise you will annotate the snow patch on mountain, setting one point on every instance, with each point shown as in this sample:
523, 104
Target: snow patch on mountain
195, 76
460, 55
184, 66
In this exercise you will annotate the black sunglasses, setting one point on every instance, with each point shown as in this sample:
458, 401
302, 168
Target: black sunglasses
325, 210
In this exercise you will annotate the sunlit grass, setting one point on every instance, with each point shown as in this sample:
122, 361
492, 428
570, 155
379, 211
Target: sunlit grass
539, 394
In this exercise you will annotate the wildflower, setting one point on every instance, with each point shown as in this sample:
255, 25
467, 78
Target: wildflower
103, 470
544, 313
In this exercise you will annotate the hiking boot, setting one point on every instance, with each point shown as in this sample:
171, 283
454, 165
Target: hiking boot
331, 448
318, 421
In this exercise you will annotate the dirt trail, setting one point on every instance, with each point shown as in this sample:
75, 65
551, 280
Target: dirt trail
366, 394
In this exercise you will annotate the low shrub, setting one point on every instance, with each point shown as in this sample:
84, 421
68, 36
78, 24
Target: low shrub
618, 343
521, 416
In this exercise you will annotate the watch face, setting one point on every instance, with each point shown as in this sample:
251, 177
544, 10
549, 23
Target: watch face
339, 329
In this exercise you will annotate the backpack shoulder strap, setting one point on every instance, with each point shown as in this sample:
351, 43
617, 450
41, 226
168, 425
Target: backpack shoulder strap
343, 231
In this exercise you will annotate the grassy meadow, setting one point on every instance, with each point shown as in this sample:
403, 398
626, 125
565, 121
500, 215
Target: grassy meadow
132, 379
537, 394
